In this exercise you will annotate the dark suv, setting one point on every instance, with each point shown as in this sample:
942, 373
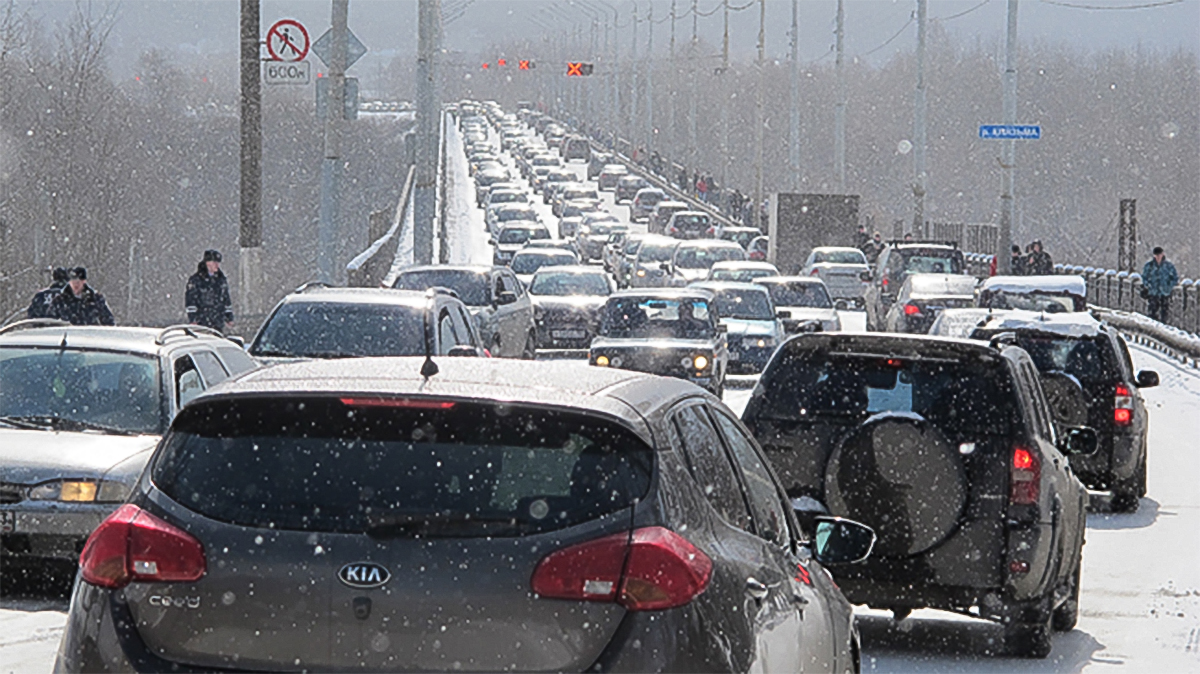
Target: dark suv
948, 449
494, 516
893, 266
1089, 380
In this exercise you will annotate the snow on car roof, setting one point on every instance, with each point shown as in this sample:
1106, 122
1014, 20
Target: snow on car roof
1071, 285
1072, 324
941, 285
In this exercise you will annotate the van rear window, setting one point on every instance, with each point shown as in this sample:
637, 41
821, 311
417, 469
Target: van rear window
418, 468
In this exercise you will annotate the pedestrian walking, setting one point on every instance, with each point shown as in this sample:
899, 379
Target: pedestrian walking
1158, 281
1039, 263
207, 296
861, 237
39, 307
874, 247
1016, 263
79, 304
702, 189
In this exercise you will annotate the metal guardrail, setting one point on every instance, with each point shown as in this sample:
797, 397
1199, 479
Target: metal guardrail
368, 268
1180, 345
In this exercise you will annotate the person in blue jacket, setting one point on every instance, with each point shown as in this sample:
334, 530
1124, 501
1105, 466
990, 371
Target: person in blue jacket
1158, 280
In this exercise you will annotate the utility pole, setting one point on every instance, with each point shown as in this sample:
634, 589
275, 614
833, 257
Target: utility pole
919, 177
1008, 151
794, 144
428, 111
650, 79
328, 229
726, 101
693, 144
250, 222
671, 136
633, 87
758, 115
839, 110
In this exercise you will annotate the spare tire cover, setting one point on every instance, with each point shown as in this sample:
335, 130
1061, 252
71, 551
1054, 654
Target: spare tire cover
899, 475
1066, 398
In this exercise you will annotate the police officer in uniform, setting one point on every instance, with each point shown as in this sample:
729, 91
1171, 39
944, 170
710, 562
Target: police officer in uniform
207, 296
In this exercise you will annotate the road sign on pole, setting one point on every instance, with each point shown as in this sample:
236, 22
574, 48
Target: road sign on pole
287, 40
354, 48
284, 72
1010, 132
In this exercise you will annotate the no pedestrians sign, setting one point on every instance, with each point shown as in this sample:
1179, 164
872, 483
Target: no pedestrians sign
287, 40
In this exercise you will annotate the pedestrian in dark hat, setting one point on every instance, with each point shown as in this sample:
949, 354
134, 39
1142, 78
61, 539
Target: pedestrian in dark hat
207, 296
1016, 263
39, 307
1158, 281
79, 304
1040, 263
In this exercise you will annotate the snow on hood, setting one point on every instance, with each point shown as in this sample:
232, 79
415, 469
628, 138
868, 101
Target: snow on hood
1024, 285
1077, 324
30, 457
962, 322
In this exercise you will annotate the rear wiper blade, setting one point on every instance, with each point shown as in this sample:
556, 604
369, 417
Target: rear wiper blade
397, 522
61, 423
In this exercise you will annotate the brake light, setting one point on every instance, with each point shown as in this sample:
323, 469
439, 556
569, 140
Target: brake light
911, 310
815, 272
131, 545
1122, 406
885, 284
655, 568
1026, 477
406, 403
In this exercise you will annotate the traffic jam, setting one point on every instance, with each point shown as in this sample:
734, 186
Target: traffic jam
626, 442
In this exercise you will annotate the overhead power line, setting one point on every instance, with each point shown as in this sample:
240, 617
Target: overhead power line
964, 13
890, 39
1148, 5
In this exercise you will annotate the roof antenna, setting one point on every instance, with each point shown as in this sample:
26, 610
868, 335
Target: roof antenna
428, 368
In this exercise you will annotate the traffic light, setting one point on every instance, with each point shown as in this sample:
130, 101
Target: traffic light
579, 69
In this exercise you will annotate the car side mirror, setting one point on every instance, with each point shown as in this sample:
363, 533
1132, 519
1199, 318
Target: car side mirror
1080, 440
492, 242
841, 541
783, 314
1147, 379
864, 276
506, 297
463, 351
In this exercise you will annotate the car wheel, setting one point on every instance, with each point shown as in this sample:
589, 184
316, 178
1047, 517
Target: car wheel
1030, 639
1067, 614
1127, 493
530, 351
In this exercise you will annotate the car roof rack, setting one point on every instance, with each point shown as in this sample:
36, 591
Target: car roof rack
31, 323
195, 331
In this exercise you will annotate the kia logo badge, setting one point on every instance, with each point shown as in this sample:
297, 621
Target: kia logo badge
364, 574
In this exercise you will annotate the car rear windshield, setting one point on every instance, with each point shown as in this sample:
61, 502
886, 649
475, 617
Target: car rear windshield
932, 262
508, 214
506, 197
809, 295
521, 235
840, 257
741, 275
1033, 301
704, 257
1088, 359
75, 390
471, 286
341, 330
965, 395
399, 467
656, 252
563, 284
752, 305
528, 263
691, 220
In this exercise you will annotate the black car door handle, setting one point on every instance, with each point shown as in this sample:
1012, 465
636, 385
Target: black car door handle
756, 589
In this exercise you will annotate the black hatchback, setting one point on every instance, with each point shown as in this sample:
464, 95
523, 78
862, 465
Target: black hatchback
494, 516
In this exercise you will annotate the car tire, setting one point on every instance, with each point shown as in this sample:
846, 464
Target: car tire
1127, 493
530, 350
1029, 637
1067, 614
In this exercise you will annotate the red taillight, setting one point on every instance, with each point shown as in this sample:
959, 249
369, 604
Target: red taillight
1026, 477
661, 570
815, 272
133, 545
885, 284
407, 403
1122, 406
911, 310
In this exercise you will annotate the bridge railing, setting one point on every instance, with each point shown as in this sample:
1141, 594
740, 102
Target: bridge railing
368, 268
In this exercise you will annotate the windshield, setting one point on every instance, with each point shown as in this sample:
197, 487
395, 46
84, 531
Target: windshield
565, 284
703, 257
112, 390
751, 305
657, 318
521, 235
334, 330
800, 295
691, 221
528, 263
333, 465
742, 239
507, 214
656, 252
471, 286
839, 257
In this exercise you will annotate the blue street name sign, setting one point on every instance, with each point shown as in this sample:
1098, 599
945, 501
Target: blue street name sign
1010, 131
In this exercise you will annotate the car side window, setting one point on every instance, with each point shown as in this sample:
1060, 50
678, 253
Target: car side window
446, 338
1035, 404
710, 466
210, 367
1127, 362
462, 327
766, 502
511, 284
236, 360
497, 286
188, 384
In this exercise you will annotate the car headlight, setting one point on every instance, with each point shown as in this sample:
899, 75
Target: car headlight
80, 491
602, 361
763, 342
700, 362
641, 272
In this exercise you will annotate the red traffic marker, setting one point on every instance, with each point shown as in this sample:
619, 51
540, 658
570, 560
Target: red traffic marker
523, 65
502, 62
574, 70
486, 66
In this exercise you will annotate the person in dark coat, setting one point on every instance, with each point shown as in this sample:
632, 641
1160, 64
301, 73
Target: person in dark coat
874, 247
861, 237
39, 307
79, 304
1158, 281
1039, 263
207, 296
1016, 263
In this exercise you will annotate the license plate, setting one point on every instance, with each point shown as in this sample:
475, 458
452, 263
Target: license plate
568, 334
734, 355
8, 522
